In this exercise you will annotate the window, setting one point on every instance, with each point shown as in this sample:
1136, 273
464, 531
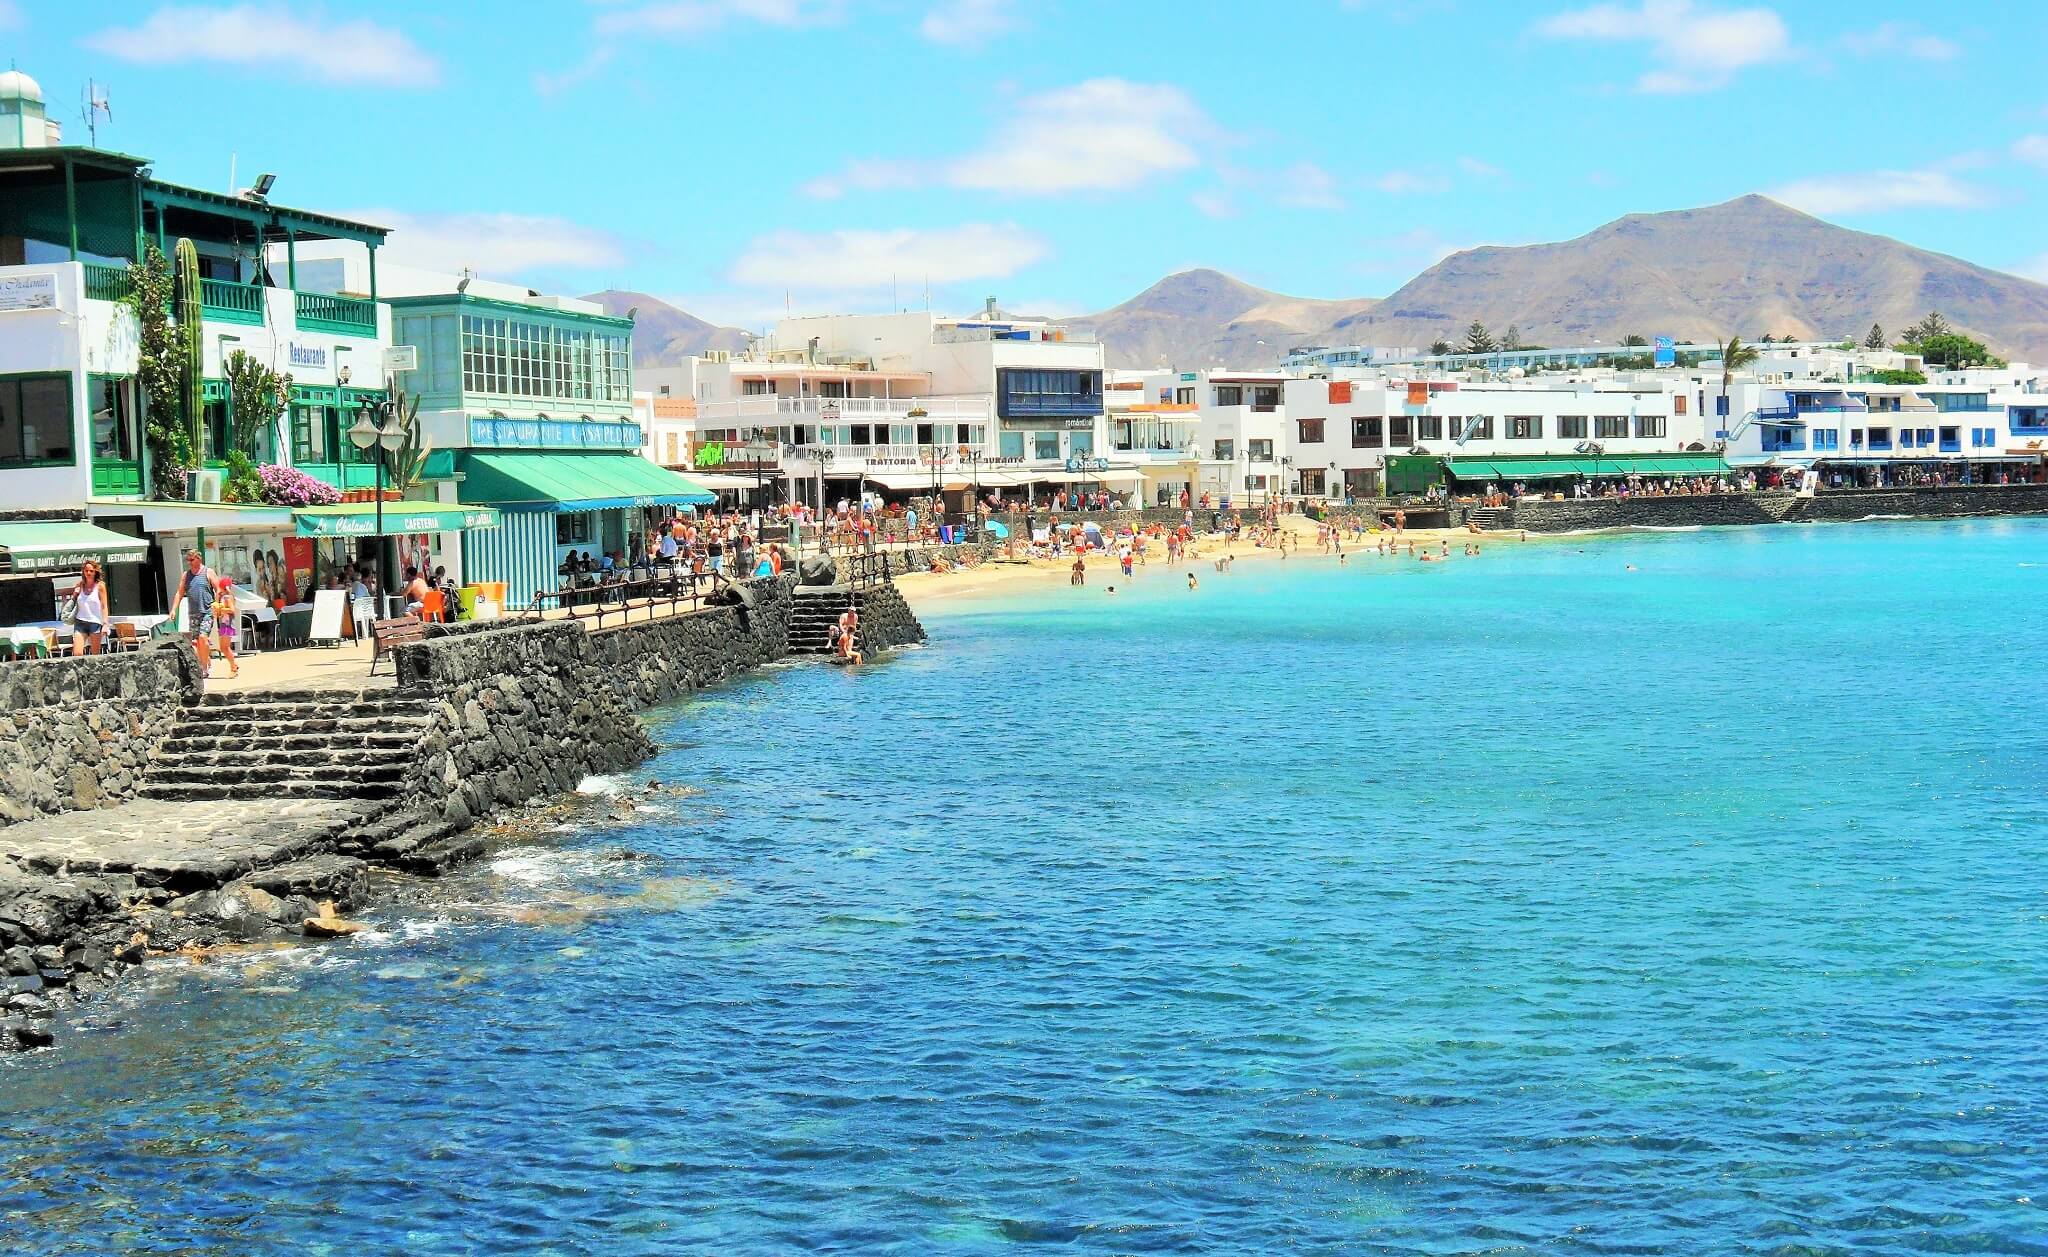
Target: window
1011, 445
1826, 438
35, 420
1610, 427
1880, 438
1081, 444
1429, 428
1259, 450
1184, 396
1983, 438
756, 388
1309, 431
1678, 403
1951, 439
114, 430
1366, 433
1649, 425
1476, 428
572, 528
1855, 438
313, 434
1229, 395
1400, 431
1226, 450
1571, 427
1926, 437
1266, 397
1045, 445
1021, 393
217, 433
1525, 427
514, 358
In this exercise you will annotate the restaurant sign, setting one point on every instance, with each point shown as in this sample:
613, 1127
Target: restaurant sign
28, 292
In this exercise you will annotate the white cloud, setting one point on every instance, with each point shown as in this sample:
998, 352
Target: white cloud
1877, 190
1693, 47
1410, 182
1101, 135
498, 246
2032, 149
968, 23
852, 261
1213, 203
1901, 39
270, 37
1306, 185
10, 16
1484, 170
698, 17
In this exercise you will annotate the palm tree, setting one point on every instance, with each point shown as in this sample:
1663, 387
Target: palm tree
1734, 355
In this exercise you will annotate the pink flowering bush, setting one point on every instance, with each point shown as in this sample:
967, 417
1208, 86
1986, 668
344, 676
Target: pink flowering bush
288, 486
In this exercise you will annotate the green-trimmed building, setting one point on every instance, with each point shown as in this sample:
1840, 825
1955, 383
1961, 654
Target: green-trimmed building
528, 402
73, 421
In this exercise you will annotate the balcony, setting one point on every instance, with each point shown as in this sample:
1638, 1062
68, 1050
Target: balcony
1022, 405
1950, 447
755, 411
223, 301
346, 316
107, 283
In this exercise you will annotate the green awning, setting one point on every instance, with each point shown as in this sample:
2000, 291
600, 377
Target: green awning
1507, 468
56, 545
359, 519
574, 482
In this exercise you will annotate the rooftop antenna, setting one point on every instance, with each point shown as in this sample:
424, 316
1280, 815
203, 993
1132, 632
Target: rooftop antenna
96, 103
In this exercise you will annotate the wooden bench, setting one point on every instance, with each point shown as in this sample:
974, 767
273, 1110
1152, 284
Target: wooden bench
386, 634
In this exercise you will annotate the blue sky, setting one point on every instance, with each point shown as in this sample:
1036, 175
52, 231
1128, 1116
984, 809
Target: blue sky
737, 156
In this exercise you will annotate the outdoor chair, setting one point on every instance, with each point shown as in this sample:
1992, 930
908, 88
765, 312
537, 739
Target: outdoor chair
123, 638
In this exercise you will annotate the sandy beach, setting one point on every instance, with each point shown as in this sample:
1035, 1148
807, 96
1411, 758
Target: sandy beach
926, 589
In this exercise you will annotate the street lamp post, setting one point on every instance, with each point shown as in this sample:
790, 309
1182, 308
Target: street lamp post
379, 430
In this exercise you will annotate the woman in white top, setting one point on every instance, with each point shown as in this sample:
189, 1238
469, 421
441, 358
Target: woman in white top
88, 612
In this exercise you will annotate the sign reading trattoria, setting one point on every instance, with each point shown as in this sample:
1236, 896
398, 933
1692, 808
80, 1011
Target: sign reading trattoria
28, 292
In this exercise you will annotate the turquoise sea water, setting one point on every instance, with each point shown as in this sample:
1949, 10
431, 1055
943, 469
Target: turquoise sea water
1519, 904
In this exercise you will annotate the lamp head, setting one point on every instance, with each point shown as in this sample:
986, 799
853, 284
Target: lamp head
363, 433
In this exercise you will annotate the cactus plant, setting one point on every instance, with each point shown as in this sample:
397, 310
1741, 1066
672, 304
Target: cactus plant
192, 370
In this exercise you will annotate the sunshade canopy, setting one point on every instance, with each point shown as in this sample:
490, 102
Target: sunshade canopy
1509, 469
56, 545
574, 482
359, 519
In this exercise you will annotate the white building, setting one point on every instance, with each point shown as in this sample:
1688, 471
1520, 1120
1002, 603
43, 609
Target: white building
831, 406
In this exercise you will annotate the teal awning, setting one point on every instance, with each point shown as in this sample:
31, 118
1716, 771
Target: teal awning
55, 545
359, 519
574, 482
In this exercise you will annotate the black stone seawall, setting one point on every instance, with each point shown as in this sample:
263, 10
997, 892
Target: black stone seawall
1839, 505
80, 733
484, 718
525, 711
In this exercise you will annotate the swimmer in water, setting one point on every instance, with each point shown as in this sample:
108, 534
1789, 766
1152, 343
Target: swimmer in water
1192, 583
1111, 591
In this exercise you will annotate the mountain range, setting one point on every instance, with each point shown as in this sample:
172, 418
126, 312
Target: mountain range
1746, 267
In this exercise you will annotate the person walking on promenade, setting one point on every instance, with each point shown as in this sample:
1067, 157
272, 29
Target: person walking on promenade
195, 590
224, 616
88, 612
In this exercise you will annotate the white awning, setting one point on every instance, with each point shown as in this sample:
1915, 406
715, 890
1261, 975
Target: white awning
160, 517
715, 480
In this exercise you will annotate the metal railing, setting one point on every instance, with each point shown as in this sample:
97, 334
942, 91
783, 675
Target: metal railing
672, 588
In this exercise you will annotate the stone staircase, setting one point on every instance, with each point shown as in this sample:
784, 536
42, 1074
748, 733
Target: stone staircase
813, 611
1492, 518
306, 745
